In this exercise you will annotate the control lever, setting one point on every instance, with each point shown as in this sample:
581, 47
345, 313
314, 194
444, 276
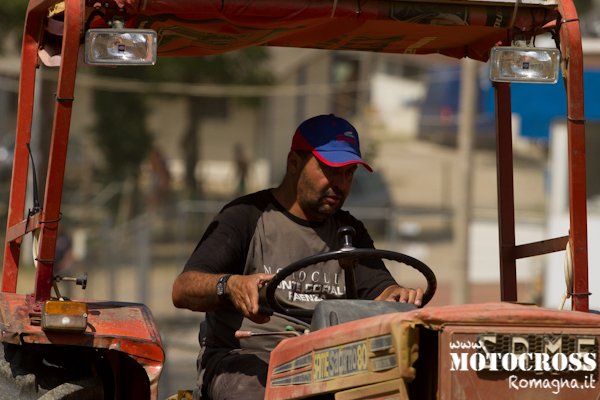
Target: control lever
80, 280
248, 334
267, 311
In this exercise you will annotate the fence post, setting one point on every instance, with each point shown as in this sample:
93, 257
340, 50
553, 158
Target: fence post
111, 242
143, 236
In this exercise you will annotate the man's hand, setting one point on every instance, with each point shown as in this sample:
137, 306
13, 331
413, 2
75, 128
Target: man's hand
243, 290
402, 295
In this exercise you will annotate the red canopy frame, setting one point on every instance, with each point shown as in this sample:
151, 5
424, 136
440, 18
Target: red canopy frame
320, 22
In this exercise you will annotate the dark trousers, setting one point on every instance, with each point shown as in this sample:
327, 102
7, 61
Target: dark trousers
232, 374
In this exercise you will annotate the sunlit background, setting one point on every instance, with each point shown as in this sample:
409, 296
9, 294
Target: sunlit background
155, 152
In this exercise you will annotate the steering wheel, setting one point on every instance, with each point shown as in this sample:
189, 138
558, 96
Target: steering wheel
348, 257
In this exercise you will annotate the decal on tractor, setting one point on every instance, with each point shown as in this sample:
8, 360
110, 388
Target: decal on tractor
294, 364
340, 361
383, 363
380, 343
555, 353
296, 379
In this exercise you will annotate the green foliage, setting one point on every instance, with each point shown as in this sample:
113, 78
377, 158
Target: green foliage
12, 19
120, 126
241, 67
583, 6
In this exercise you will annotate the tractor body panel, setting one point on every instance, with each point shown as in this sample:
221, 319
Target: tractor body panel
378, 357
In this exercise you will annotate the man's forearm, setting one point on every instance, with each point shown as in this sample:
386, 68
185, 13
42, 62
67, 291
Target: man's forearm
197, 291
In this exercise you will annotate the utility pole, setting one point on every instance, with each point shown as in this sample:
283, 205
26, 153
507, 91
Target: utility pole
467, 114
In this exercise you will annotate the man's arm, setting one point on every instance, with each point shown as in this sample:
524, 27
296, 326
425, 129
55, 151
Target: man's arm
402, 295
197, 291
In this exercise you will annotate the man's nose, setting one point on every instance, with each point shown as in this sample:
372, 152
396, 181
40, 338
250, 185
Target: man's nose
340, 181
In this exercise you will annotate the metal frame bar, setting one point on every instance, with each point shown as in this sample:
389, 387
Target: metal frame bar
573, 76
17, 226
18, 188
58, 149
541, 247
506, 198
570, 36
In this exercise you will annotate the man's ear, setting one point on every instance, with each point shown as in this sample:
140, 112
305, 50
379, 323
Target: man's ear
294, 162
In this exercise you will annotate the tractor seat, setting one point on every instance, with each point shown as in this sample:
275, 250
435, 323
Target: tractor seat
334, 312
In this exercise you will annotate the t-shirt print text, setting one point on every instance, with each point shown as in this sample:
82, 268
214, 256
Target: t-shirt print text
311, 286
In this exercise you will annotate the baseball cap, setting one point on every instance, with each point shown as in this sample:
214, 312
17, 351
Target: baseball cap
333, 140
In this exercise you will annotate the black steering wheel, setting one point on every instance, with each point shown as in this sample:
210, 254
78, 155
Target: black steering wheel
348, 257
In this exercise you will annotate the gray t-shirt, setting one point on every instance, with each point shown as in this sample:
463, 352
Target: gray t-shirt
255, 234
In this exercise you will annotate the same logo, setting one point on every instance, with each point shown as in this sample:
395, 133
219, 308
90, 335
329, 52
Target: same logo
347, 137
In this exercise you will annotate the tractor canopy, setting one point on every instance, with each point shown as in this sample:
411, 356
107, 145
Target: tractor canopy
197, 28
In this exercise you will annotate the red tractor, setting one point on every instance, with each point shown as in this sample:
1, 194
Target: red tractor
66, 349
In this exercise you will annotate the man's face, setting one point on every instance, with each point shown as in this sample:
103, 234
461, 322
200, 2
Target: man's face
322, 189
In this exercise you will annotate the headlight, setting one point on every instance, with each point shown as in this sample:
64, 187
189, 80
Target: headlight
120, 46
519, 64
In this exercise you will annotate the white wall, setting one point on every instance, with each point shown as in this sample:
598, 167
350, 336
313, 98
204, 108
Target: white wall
395, 101
484, 258
559, 223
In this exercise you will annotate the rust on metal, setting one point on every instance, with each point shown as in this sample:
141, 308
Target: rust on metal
464, 382
404, 326
395, 389
570, 36
124, 327
58, 148
19, 230
18, 183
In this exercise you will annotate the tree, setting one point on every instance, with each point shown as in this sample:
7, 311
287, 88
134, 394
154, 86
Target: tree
120, 122
120, 126
122, 136
242, 67
12, 20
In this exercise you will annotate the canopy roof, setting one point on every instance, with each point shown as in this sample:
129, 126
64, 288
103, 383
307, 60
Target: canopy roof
456, 29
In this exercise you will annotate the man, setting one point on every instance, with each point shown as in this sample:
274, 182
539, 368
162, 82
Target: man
258, 234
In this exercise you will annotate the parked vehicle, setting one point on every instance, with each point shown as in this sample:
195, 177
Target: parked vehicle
439, 110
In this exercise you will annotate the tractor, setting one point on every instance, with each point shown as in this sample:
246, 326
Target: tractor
59, 348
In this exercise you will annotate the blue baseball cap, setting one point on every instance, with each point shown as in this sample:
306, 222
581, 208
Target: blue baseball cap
333, 140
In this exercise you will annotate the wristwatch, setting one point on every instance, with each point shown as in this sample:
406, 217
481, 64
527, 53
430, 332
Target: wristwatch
221, 287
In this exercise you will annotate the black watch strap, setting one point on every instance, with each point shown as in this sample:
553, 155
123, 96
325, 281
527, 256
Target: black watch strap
221, 286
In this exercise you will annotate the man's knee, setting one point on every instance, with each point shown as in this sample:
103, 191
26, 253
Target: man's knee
241, 374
